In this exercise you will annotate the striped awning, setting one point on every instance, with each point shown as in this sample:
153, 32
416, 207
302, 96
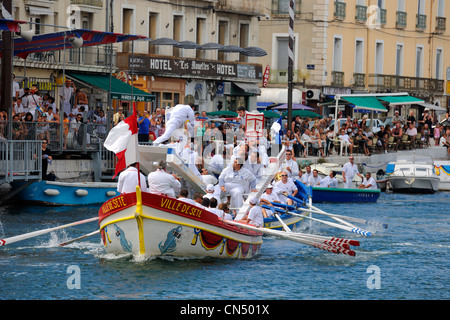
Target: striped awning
59, 40
10, 25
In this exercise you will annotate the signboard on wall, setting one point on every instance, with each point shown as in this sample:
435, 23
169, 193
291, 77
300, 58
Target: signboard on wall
254, 125
191, 67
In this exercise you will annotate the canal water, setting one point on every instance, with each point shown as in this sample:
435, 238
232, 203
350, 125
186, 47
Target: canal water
407, 261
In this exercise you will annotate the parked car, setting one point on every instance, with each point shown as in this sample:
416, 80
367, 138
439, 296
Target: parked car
377, 123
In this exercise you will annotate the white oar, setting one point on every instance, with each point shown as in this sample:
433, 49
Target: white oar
335, 225
33, 234
285, 227
79, 238
331, 215
288, 236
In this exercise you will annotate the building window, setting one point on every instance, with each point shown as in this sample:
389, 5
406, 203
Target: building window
282, 6
152, 31
177, 34
438, 74
419, 61
399, 60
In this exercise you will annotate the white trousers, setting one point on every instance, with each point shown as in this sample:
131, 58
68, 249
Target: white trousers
236, 192
170, 128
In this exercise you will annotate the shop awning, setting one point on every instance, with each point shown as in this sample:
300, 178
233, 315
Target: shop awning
61, 40
248, 88
367, 103
303, 114
399, 100
432, 107
40, 11
119, 89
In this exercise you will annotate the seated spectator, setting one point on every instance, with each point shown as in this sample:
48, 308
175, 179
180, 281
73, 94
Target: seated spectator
412, 133
363, 140
346, 140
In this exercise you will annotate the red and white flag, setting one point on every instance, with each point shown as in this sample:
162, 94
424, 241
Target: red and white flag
123, 141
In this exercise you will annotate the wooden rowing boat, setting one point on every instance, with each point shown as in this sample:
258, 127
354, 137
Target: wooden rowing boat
156, 225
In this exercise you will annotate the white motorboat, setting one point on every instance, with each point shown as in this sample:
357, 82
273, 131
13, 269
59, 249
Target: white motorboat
412, 174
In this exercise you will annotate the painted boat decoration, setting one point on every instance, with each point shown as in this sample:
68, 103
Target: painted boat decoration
57, 193
155, 225
442, 169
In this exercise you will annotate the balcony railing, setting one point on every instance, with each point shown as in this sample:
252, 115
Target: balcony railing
401, 19
361, 13
337, 78
94, 3
440, 24
394, 82
359, 79
421, 22
339, 10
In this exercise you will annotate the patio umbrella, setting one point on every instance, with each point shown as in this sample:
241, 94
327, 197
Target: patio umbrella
254, 52
164, 42
223, 113
270, 114
211, 46
231, 48
304, 114
295, 106
187, 45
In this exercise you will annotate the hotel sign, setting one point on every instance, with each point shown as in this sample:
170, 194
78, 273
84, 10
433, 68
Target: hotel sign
193, 68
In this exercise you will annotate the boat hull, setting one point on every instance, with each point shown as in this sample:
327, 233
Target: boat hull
414, 184
162, 226
66, 193
340, 195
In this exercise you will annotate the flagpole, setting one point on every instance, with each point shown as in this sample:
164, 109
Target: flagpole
291, 62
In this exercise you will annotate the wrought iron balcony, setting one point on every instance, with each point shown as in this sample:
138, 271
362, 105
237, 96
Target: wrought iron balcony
394, 82
94, 3
361, 13
401, 20
339, 10
421, 22
441, 24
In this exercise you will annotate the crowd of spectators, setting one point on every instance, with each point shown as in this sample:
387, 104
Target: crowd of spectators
318, 138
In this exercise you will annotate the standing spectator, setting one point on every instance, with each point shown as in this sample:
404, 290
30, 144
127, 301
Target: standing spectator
15, 87
81, 99
65, 93
101, 124
46, 160
34, 102
144, 127
349, 170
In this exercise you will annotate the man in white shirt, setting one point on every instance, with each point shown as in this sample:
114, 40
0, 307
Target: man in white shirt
216, 164
255, 216
34, 102
329, 181
267, 198
181, 115
183, 196
314, 180
345, 140
65, 93
210, 193
128, 180
301, 177
349, 170
162, 182
235, 181
308, 173
290, 166
285, 187
368, 182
